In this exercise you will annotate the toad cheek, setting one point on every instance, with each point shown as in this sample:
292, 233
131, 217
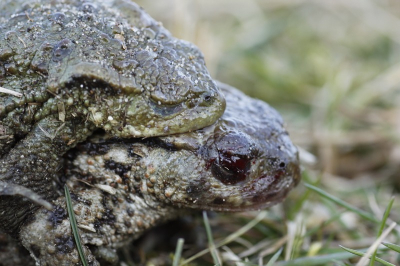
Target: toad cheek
270, 188
245, 175
258, 190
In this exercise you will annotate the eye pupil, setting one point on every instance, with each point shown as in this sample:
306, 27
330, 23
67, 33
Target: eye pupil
230, 168
282, 165
207, 97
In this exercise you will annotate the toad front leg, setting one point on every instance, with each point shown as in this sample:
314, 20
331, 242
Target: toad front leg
34, 163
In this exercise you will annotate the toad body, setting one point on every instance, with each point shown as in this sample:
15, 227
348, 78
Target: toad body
122, 187
70, 67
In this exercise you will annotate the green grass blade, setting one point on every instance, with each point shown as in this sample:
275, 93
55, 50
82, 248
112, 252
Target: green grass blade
74, 226
342, 203
358, 253
317, 260
385, 216
382, 226
392, 246
325, 223
231, 237
178, 252
297, 205
339, 263
211, 243
274, 258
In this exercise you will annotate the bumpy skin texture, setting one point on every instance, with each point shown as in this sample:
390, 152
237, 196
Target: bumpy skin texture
121, 187
82, 65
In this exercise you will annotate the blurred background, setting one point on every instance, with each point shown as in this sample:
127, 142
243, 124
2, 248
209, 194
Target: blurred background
332, 68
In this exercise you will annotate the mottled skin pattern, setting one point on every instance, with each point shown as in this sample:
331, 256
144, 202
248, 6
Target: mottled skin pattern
81, 65
122, 187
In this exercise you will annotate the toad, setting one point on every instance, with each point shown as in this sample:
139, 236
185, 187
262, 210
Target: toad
70, 67
123, 187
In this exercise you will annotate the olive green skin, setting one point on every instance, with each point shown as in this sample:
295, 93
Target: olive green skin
79, 66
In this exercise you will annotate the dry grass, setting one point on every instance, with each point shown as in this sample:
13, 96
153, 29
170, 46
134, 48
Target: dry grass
332, 69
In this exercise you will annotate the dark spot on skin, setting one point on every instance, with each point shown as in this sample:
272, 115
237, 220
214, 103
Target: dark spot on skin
71, 154
197, 188
62, 50
218, 201
64, 244
127, 223
114, 199
75, 197
97, 224
192, 190
6, 53
35, 250
57, 215
118, 168
159, 143
129, 199
11, 68
89, 17
277, 163
104, 200
137, 191
130, 212
107, 218
95, 148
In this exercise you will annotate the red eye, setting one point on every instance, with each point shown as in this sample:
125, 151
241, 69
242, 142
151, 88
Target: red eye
230, 168
231, 161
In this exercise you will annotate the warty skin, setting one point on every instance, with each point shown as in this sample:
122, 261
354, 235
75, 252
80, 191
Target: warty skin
123, 187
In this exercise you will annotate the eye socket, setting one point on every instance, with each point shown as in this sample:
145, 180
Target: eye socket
207, 97
231, 168
231, 157
165, 110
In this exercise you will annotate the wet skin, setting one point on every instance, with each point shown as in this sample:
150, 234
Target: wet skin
74, 67
122, 187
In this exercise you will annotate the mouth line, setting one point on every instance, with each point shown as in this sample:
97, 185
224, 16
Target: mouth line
250, 203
